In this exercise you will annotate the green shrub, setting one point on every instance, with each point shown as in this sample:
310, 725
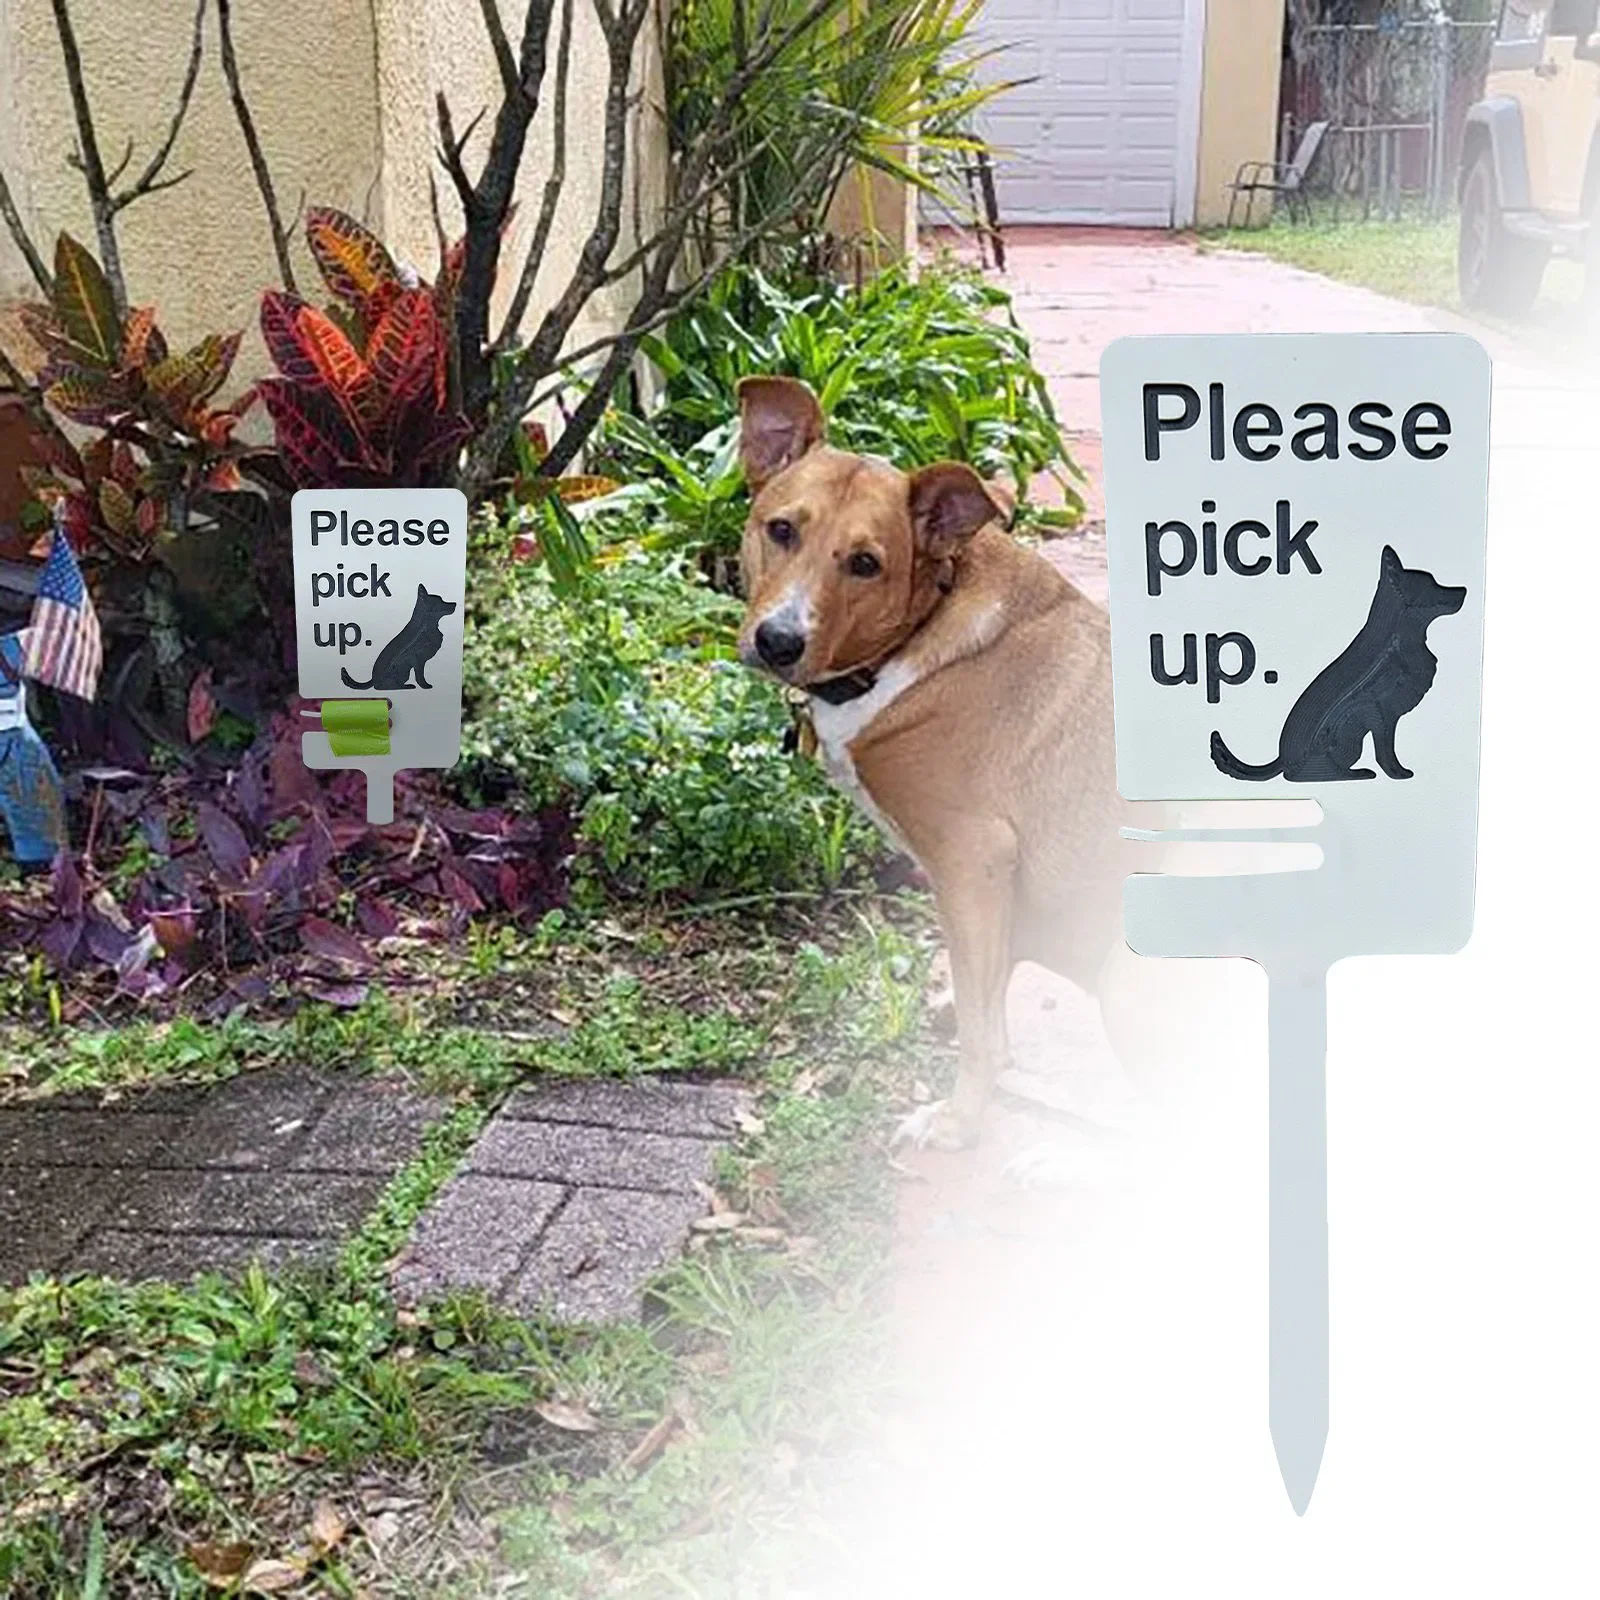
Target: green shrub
911, 368
626, 698
854, 86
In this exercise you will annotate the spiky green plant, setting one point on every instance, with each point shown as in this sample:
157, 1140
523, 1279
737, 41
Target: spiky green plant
856, 83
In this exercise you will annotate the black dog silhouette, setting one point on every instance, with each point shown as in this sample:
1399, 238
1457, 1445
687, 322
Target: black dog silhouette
411, 649
1379, 676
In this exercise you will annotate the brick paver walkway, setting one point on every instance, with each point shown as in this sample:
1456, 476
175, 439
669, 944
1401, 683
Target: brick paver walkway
273, 1166
570, 1200
574, 1196
1078, 289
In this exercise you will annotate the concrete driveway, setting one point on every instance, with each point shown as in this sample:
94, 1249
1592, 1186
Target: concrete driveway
1083, 1371
1078, 289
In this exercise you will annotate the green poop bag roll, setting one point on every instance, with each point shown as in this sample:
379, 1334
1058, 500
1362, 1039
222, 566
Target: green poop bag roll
357, 727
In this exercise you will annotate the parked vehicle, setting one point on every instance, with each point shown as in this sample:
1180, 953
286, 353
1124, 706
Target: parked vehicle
1530, 159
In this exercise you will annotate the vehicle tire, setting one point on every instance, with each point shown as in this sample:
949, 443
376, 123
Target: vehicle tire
1497, 269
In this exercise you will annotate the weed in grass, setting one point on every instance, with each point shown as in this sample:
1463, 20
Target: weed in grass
210, 1398
789, 1376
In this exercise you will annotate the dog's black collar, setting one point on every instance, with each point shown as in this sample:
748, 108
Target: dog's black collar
850, 686
845, 688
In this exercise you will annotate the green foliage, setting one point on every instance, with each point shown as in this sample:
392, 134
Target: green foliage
187, 1379
836, 84
627, 699
916, 369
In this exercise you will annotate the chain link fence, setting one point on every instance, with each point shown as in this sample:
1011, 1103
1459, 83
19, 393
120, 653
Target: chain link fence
1395, 95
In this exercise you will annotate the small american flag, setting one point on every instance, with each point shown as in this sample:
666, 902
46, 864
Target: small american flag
62, 643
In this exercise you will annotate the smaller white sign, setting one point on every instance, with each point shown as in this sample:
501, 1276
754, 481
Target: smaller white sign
380, 591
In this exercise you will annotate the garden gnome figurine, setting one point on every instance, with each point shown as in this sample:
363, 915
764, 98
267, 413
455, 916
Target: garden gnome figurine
30, 790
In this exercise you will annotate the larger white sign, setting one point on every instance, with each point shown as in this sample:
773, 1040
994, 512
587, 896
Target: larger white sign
1295, 529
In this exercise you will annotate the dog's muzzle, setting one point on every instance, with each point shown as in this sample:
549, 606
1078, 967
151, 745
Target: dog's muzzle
779, 645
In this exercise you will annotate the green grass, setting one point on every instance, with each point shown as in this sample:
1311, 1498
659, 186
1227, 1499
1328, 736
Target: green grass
579, 996
1412, 260
150, 1432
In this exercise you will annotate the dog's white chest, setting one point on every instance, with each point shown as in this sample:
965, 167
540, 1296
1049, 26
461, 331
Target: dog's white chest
838, 727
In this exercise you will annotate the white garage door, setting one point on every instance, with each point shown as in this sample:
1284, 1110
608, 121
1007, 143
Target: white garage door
1099, 133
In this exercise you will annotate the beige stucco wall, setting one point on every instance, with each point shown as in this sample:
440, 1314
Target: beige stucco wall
877, 207
1238, 96
424, 46
200, 253
343, 96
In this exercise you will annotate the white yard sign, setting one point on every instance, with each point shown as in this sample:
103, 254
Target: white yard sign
1295, 529
380, 588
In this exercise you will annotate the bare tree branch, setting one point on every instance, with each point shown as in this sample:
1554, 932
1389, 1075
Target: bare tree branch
156, 185
490, 204
714, 153
590, 270
149, 181
552, 190
20, 237
656, 298
452, 349
101, 205
657, 303
122, 166
685, 208
252, 141
507, 62
438, 224
451, 150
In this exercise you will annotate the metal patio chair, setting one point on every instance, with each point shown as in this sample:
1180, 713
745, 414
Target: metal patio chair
1285, 179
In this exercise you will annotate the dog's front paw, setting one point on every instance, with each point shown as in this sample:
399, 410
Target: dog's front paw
934, 1127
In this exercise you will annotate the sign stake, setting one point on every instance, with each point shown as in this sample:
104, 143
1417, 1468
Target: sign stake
1297, 1227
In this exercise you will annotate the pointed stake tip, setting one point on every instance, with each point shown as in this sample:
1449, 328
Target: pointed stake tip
1299, 1464
1300, 1480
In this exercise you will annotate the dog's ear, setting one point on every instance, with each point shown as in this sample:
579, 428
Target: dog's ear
779, 421
949, 503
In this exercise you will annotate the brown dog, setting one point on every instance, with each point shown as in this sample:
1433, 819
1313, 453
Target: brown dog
960, 688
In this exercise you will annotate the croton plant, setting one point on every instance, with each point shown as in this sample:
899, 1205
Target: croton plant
364, 394
156, 435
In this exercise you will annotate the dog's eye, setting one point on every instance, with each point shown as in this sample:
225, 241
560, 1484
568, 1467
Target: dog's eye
782, 532
863, 564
